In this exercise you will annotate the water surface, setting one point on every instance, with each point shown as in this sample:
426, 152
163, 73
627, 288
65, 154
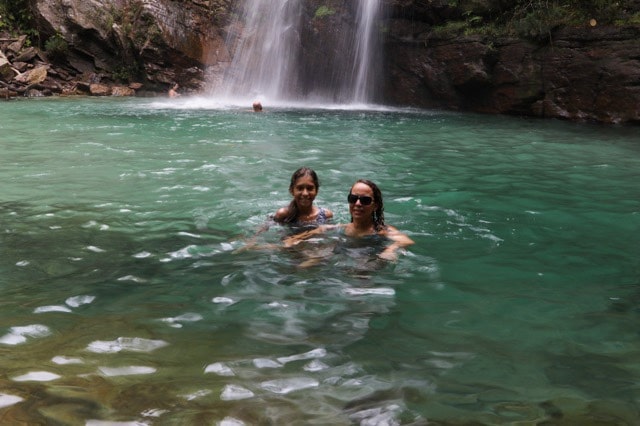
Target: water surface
125, 297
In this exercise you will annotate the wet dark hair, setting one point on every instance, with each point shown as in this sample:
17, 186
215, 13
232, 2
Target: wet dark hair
293, 207
378, 214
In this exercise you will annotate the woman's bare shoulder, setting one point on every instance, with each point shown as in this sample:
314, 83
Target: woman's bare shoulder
281, 213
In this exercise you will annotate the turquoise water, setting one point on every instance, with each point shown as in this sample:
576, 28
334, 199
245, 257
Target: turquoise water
127, 297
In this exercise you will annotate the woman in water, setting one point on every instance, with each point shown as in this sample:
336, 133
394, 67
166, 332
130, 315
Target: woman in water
367, 219
301, 212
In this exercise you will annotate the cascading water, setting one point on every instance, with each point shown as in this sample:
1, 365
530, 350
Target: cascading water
284, 52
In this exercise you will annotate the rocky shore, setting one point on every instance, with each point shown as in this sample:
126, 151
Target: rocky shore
27, 71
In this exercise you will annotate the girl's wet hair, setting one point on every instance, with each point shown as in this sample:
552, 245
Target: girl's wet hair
378, 214
292, 217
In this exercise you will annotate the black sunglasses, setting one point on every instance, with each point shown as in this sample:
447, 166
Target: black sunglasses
364, 200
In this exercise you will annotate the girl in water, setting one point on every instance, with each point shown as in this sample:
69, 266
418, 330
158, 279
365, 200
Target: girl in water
367, 219
301, 212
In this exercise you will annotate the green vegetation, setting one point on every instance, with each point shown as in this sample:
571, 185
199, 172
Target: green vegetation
323, 11
536, 19
16, 18
56, 47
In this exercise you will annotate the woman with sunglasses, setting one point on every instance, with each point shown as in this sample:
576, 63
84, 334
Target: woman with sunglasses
367, 218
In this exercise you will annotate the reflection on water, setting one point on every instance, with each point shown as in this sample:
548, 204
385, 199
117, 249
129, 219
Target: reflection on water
127, 296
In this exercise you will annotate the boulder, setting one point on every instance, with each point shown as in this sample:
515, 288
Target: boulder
34, 76
122, 91
97, 89
17, 45
26, 55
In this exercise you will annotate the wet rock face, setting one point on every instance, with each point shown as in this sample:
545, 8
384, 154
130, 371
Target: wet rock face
156, 41
585, 74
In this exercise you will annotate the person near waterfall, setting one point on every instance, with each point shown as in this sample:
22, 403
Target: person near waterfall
173, 92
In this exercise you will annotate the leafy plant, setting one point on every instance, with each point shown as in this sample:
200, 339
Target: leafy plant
56, 47
323, 11
16, 17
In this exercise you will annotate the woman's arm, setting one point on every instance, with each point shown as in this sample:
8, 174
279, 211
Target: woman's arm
398, 241
298, 238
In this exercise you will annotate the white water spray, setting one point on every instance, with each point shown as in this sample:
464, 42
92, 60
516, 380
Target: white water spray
269, 47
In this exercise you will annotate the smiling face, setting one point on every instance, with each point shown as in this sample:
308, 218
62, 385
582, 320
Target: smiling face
304, 191
360, 213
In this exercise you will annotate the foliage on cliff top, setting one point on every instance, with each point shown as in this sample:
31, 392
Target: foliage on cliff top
534, 19
16, 17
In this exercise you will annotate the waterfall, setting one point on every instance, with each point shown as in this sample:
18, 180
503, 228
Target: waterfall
364, 66
285, 53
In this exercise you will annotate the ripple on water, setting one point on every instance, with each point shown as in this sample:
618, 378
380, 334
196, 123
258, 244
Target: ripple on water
18, 335
285, 386
129, 370
7, 400
132, 344
235, 392
220, 369
37, 376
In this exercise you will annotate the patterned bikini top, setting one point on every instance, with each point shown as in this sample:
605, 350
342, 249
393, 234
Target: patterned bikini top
321, 219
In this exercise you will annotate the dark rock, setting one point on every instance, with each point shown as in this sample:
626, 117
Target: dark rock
26, 55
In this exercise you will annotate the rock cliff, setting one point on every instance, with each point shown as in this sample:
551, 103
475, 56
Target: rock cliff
578, 73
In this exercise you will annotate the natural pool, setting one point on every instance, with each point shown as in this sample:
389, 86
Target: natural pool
124, 299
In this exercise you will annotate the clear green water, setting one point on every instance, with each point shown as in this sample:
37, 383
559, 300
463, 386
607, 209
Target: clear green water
123, 299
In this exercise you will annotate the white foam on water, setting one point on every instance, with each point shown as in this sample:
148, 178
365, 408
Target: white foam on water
315, 365
95, 249
315, 353
131, 344
285, 386
176, 322
63, 360
223, 300
266, 363
220, 369
142, 255
77, 301
51, 308
37, 376
384, 291
153, 412
196, 394
235, 392
7, 400
230, 421
129, 370
93, 422
18, 335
